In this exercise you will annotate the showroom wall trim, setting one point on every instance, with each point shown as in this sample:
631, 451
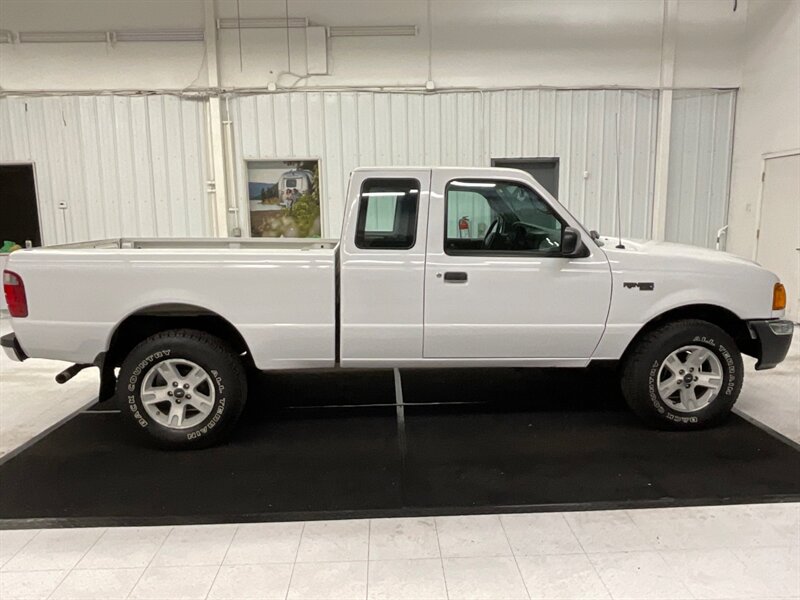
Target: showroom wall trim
350, 129
111, 166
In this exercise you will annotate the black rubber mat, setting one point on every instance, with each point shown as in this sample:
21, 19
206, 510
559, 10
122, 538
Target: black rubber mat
504, 440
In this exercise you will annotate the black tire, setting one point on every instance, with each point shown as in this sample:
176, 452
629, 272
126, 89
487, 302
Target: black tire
224, 371
641, 370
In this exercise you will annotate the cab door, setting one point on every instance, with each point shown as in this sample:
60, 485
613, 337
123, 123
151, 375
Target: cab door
382, 269
496, 283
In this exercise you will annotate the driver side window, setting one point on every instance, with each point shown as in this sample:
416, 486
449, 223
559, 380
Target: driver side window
490, 216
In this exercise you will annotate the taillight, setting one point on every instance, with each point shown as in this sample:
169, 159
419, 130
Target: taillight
15, 294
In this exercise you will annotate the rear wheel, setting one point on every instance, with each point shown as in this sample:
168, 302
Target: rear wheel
683, 375
184, 389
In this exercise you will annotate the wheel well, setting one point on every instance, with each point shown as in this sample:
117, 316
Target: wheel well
721, 317
137, 327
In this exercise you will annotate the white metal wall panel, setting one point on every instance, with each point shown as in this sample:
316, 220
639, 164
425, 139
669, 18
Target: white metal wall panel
350, 129
124, 166
701, 142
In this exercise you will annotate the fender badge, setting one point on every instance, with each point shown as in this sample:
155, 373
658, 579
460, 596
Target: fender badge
644, 286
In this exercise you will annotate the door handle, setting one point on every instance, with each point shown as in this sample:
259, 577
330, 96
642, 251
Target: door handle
455, 277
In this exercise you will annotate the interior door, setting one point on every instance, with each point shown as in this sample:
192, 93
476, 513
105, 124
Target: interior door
496, 284
18, 205
779, 233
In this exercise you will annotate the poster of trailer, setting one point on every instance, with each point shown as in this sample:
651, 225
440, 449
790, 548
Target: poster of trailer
284, 198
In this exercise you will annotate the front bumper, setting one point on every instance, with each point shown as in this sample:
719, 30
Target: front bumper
773, 338
12, 348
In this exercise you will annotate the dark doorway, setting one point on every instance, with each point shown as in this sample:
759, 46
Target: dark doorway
543, 170
18, 205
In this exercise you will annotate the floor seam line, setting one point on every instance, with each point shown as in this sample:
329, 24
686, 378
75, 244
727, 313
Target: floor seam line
514, 556
150, 562
294, 563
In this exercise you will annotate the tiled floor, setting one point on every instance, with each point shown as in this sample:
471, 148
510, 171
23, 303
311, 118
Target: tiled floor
748, 551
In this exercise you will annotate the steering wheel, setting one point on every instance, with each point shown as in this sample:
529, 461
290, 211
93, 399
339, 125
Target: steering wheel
518, 236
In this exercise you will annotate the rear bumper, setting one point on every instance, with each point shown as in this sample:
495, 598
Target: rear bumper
12, 348
773, 338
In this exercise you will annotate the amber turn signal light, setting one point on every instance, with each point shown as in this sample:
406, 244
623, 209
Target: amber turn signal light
778, 297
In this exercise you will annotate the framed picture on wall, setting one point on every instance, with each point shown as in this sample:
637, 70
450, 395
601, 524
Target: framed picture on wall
283, 198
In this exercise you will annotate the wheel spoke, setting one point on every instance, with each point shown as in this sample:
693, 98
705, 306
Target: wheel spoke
167, 370
176, 412
152, 397
709, 380
674, 364
202, 403
196, 377
688, 399
668, 387
698, 357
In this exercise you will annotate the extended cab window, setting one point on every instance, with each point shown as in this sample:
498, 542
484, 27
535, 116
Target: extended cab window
387, 214
499, 216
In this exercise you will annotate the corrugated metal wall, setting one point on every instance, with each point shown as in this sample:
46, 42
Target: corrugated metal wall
124, 166
137, 166
350, 129
701, 143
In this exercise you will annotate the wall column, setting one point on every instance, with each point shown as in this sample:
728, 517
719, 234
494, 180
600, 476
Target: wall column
666, 82
218, 186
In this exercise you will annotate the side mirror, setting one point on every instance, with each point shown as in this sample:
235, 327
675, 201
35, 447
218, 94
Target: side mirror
571, 243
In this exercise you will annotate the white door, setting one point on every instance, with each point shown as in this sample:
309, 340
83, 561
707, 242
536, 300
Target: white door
496, 284
779, 232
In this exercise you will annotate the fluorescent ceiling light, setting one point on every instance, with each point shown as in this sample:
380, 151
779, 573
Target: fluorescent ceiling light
159, 35
261, 23
372, 30
39, 37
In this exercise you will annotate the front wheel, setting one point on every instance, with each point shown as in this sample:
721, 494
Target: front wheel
184, 389
683, 375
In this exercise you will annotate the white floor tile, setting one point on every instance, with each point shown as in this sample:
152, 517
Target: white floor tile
195, 545
483, 579
638, 576
706, 527
29, 585
407, 579
607, 531
329, 581
102, 584
566, 576
54, 549
243, 582
125, 547
256, 543
474, 535
12, 541
715, 574
403, 538
174, 583
777, 568
539, 534
334, 541
783, 518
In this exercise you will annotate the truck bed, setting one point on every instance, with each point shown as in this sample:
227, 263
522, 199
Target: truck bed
279, 293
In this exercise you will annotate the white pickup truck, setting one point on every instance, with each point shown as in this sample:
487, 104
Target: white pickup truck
436, 267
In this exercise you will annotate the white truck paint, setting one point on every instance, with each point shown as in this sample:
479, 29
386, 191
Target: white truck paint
396, 306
